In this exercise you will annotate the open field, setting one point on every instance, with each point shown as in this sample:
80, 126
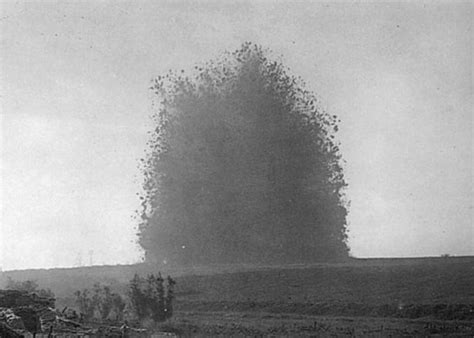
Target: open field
359, 297
266, 324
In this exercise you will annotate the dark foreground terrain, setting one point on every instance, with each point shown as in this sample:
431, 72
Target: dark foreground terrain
373, 297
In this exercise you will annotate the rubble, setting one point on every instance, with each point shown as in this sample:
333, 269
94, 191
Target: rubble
6, 331
29, 316
47, 317
24, 314
11, 319
16, 298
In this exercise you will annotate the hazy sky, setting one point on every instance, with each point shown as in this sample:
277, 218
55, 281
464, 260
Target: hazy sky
75, 107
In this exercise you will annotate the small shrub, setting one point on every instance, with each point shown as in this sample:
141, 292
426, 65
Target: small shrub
101, 303
169, 297
85, 304
151, 298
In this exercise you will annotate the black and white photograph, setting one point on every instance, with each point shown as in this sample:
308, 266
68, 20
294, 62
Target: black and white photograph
204, 168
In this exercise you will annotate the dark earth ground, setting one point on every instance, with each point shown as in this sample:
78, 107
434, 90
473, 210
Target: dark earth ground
371, 297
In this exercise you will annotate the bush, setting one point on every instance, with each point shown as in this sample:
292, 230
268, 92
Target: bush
150, 298
28, 286
100, 303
